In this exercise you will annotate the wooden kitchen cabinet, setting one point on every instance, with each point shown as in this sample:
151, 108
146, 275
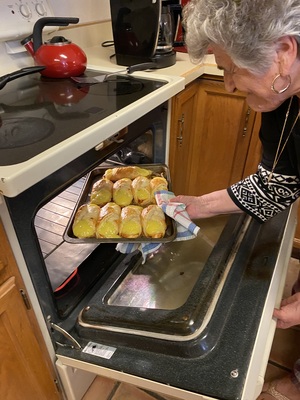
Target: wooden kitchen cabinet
214, 140
183, 132
212, 132
26, 371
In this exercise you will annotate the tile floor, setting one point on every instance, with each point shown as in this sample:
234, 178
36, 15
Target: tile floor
285, 350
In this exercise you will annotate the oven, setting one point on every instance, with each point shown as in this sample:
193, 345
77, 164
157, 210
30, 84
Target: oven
194, 320
193, 309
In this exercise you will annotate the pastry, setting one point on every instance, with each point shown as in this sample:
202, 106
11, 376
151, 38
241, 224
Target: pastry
141, 191
101, 192
109, 221
130, 172
84, 225
131, 224
157, 183
153, 222
122, 192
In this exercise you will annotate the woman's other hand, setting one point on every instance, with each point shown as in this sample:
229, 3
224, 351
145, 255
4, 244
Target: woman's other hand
289, 313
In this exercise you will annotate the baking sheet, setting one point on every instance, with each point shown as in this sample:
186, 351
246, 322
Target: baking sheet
96, 174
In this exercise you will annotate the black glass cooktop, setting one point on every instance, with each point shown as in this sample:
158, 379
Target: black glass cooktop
37, 113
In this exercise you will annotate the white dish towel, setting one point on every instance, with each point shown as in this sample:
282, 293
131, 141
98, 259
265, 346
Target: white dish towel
186, 229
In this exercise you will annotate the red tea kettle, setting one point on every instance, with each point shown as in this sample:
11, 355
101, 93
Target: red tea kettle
61, 57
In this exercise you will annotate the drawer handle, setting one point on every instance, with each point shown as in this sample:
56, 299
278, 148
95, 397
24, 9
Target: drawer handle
181, 127
246, 122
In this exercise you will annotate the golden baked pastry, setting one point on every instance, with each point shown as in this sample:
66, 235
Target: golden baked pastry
141, 191
109, 221
131, 224
131, 172
122, 192
153, 222
84, 225
101, 192
157, 183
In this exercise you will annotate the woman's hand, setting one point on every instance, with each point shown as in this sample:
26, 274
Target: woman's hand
289, 313
208, 205
192, 203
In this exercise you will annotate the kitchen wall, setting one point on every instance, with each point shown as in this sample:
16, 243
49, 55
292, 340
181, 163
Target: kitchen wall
94, 20
93, 28
86, 10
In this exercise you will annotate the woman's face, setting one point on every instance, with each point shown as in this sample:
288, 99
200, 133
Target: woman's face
260, 96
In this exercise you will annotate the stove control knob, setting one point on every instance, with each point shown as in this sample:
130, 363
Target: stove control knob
40, 9
25, 11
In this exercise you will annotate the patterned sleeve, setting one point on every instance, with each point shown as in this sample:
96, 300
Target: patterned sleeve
262, 199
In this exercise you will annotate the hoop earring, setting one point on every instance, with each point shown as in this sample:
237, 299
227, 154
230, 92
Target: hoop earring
285, 88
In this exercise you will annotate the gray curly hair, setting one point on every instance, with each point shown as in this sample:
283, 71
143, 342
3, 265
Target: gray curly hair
245, 29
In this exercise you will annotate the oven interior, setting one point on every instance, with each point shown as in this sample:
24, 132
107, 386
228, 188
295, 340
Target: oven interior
119, 295
169, 297
119, 299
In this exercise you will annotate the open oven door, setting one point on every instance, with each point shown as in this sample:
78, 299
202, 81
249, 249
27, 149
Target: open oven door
227, 356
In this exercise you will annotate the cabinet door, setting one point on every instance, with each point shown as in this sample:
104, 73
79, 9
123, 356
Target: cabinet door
216, 138
26, 371
183, 130
22, 374
255, 148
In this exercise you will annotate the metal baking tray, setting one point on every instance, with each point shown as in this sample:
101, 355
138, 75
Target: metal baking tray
96, 174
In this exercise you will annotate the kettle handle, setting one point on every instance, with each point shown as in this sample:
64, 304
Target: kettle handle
50, 21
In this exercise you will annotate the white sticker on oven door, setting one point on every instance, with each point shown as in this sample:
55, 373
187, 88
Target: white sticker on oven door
99, 350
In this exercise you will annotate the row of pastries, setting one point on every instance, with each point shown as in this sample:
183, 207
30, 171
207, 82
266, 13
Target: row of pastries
122, 205
125, 191
113, 221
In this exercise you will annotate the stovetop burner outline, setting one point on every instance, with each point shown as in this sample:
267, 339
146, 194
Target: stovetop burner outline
22, 132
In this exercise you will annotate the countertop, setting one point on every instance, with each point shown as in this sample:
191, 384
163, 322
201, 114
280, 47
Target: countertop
91, 37
103, 57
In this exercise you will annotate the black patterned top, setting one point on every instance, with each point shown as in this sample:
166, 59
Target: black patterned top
254, 194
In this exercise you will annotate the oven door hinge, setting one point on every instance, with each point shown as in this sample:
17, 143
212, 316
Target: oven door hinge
54, 327
25, 299
58, 386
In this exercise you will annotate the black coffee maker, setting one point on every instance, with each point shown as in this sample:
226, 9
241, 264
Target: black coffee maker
143, 31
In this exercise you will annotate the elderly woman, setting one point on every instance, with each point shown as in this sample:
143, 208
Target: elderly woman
257, 45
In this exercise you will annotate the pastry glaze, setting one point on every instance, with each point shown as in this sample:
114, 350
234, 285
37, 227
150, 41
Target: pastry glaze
85, 220
153, 222
131, 224
102, 191
108, 223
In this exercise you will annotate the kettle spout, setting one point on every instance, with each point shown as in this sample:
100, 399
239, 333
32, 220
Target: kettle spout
28, 44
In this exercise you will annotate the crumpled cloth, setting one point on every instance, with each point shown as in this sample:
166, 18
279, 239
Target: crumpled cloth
186, 229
